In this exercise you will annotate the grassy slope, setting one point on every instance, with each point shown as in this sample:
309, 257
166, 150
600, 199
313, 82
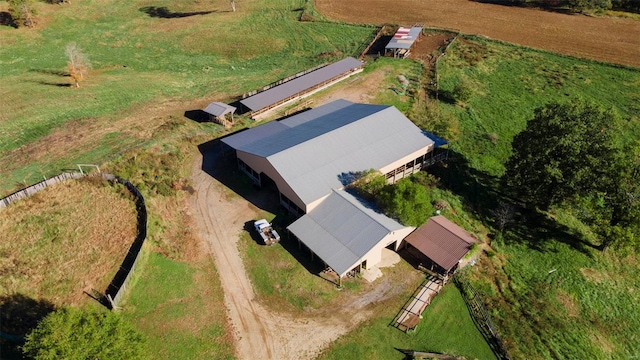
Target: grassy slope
446, 327
585, 308
510, 82
50, 240
176, 305
139, 60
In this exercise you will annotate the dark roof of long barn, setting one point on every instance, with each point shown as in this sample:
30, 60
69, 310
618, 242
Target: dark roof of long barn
300, 84
442, 241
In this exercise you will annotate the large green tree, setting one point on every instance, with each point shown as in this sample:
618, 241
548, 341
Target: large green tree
72, 333
408, 201
568, 156
614, 212
565, 151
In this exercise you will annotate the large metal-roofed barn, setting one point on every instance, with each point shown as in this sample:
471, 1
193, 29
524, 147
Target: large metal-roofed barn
301, 86
439, 244
402, 41
312, 156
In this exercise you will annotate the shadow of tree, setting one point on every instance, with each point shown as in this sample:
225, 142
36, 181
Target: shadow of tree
51, 83
6, 19
19, 314
482, 193
165, 13
50, 72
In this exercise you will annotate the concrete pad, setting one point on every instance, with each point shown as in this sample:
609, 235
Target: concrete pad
389, 259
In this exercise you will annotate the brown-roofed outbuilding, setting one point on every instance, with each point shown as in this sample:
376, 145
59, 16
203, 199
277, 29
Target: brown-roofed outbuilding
439, 244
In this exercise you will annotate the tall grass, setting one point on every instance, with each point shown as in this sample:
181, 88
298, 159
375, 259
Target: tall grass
66, 239
550, 293
509, 82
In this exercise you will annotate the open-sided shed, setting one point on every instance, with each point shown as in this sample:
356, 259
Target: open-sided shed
218, 113
402, 41
439, 244
301, 86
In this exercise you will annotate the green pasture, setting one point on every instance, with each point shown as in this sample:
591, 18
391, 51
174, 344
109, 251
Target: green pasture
508, 82
177, 306
551, 294
140, 60
446, 327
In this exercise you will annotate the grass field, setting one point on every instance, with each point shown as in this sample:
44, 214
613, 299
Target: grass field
509, 82
129, 115
177, 306
64, 240
446, 327
551, 294
144, 67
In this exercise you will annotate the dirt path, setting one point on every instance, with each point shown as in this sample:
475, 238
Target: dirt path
259, 333
614, 40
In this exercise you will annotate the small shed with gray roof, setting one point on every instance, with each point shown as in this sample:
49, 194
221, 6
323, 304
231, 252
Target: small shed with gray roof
439, 244
402, 41
218, 112
301, 85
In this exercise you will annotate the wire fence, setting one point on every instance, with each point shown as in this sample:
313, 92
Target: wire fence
481, 317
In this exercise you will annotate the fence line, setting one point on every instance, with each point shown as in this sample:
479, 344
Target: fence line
481, 317
118, 286
28, 191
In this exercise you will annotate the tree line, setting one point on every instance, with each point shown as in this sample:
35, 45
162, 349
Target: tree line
580, 5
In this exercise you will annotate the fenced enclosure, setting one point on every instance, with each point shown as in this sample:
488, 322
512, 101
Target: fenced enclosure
118, 286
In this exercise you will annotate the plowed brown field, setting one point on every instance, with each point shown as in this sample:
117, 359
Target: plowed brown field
613, 40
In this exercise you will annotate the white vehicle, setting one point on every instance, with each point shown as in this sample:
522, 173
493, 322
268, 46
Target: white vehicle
268, 234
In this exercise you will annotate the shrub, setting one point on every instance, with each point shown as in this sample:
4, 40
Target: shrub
72, 333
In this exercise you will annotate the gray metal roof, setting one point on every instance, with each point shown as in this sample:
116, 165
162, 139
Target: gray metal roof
404, 38
341, 230
300, 84
219, 109
249, 136
326, 144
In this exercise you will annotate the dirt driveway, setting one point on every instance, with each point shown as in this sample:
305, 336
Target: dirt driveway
614, 40
260, 333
